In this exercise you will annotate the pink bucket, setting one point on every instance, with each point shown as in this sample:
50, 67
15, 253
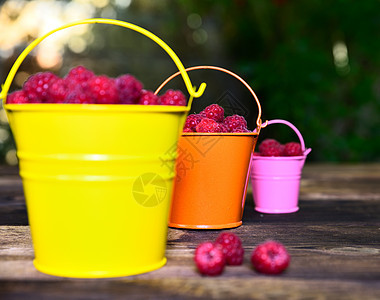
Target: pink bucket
276, 180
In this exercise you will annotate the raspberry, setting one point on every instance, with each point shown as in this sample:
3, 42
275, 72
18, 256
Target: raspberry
208, 125
80, 73
187, 130
232, 248
209, 259
17, 97
270, 147
37, 85
213, 112
78, 76
172, 97
129, 89
79, 96
57, 91
235, 121
103, 90
192, 121
292, 149
148, 98
223, 128
240, 129
270, 258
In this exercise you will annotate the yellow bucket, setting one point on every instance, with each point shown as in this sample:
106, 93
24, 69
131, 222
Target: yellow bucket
96, 178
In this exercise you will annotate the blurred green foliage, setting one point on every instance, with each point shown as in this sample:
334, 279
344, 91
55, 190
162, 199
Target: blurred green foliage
285, 50
314, 63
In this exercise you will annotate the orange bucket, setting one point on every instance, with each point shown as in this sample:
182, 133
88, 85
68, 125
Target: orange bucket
212, 171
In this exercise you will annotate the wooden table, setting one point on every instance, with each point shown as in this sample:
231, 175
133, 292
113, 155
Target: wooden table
334, 241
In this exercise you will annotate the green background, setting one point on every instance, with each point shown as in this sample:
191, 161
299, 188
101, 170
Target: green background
284, 49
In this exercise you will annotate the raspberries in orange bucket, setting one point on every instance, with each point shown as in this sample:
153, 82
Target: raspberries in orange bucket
234, 122
212, 120
208, 125
191, 122
213, 112
82, 86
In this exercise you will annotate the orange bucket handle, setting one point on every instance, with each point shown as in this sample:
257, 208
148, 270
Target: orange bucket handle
193, 93
259, 122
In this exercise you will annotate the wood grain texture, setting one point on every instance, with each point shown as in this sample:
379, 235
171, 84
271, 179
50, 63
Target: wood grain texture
334, 242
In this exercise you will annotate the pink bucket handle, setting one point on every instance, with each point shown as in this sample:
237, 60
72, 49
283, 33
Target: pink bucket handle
302, 142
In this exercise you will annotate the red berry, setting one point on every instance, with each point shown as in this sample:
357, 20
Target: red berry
270, 147
17, 97
270, 258
78, 76
103, 90
292, 149
235, 121
148, 98
79, 96
36, 87
223, 128
187, 130
232, 248
57, 91
129, 89
240, 129
208, 125
209, 259
172, 97
213, 112
192, 121
80, 73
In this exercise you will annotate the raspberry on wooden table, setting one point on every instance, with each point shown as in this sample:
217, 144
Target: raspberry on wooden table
209, 259
270, 257
232, 248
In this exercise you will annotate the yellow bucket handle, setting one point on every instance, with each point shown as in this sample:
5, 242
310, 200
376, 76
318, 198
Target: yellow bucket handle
193, 93
259, 122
